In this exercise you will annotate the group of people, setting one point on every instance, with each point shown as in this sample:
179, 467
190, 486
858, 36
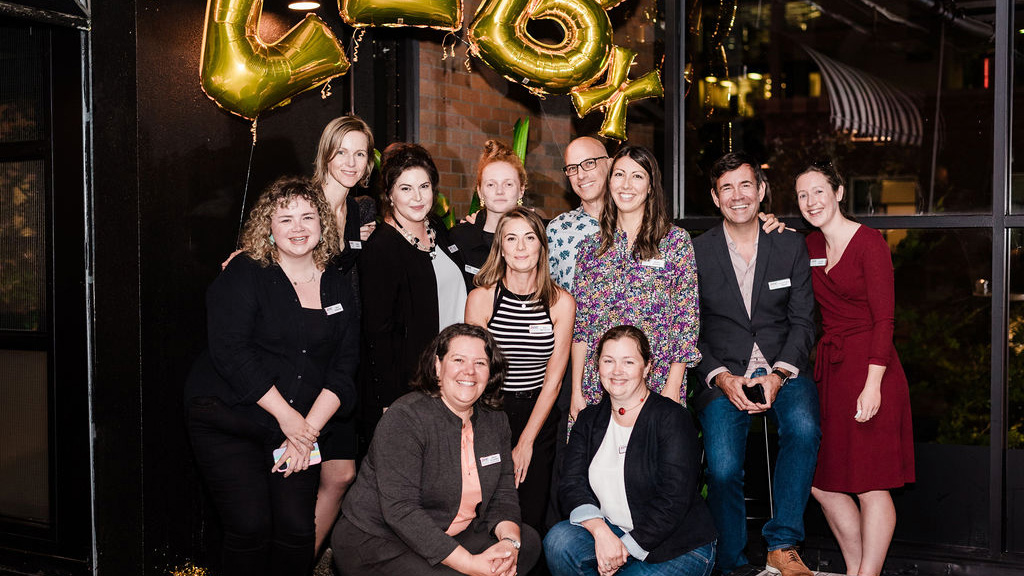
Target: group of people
518, 391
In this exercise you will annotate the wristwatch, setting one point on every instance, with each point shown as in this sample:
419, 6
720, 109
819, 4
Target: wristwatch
515, 543
781, 375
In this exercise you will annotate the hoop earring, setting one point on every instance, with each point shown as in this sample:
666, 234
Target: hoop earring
272, 243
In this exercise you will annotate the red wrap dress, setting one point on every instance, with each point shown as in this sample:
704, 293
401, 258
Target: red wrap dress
856, 298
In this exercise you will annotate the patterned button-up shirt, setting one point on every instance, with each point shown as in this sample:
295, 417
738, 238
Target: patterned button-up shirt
659, 296
564, 236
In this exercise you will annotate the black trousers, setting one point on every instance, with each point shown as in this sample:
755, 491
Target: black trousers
267, 518
357, 553
535, 491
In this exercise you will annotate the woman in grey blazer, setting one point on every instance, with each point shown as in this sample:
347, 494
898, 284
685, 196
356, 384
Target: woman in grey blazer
436, 494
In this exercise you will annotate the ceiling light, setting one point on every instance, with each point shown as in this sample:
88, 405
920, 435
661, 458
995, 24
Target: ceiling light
710, 79
754, 76
304, 5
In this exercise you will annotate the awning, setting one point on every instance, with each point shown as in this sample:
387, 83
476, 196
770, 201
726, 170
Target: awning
868, 106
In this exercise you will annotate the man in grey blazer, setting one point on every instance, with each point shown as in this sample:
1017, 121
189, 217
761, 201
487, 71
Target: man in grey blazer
756, 311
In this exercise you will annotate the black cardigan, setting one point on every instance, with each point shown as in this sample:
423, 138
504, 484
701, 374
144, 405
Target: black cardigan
661, 470
473, 242
256, 341
399, 309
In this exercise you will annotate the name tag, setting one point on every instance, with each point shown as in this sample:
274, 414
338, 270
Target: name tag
333, 309
472, 269
775, 285
492, 459
653, 263
816, 262
540, 328
355, 244
453, 249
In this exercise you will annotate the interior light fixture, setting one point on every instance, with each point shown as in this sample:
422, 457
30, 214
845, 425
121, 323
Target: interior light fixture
754, 76
307, 6
710, 79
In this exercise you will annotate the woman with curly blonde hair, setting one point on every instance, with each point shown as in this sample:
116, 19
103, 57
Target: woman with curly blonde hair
500, 182
283, 346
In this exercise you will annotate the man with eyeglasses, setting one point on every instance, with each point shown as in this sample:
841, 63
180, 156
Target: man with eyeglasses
586, 165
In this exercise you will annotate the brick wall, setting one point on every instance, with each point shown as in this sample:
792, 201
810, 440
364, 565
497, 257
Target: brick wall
461, 109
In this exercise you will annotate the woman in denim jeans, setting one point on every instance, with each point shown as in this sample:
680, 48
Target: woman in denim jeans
629, 478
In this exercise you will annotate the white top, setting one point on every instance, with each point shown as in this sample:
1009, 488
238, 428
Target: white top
606, 475
451, 290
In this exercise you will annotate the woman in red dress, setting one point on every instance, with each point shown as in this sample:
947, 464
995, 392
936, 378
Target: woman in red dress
867, 445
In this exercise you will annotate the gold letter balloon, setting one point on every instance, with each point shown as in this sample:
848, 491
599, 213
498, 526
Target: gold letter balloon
245, 76
438, 14
499, 37
615, 94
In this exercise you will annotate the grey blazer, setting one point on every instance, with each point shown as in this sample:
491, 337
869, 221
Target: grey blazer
410, 484
781, 317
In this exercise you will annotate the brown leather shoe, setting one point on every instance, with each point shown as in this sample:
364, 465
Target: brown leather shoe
787, 563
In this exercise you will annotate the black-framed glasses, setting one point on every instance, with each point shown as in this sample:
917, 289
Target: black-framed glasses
587, 165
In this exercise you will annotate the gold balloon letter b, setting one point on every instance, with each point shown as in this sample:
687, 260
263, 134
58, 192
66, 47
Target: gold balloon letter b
499, 37
244, 75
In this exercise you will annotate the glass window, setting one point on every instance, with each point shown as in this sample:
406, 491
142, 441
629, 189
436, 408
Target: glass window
22, 247
897, 93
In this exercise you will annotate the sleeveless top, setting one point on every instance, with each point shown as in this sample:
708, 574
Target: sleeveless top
523, 329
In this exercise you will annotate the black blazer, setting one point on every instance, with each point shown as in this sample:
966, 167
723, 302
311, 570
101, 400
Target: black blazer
256, 340
399, 305
781, 319
661, 470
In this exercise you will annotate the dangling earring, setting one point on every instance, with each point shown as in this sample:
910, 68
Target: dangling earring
520, 201
272, 243
481, 202
365, 182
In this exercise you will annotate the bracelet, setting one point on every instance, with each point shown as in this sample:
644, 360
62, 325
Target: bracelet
515, 543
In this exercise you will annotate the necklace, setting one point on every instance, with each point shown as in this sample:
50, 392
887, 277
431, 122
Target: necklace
296, 282
524, 300
622, 411
412, 239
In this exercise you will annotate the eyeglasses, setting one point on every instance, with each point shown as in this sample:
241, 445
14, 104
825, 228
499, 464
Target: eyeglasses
587, 165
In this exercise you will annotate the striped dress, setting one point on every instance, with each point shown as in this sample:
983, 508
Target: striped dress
523, 329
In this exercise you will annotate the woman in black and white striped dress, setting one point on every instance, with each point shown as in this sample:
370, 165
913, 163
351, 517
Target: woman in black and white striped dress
532, 319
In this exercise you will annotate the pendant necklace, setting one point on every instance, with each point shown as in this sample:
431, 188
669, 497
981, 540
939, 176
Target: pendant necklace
622, 411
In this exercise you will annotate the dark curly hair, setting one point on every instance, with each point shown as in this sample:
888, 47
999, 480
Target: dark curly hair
395, 160
426, 379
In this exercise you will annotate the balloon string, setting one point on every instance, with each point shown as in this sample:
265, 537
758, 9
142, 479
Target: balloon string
245, 189
444, 45
356, 39
325, 92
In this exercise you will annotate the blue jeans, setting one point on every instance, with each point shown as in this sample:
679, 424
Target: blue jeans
570, 552
795, 414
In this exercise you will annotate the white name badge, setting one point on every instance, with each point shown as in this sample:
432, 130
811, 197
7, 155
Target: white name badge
472, 269
540, 328
492, 459
775, 285
816, 262
355, 244
333, 309
653, 263
453, 249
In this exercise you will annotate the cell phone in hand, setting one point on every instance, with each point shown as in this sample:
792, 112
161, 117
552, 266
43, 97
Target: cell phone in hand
314, 456
756, 393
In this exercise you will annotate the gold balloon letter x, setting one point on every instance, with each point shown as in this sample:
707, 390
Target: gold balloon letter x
244, 75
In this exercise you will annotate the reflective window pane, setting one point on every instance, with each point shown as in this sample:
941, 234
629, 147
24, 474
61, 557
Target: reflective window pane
897, 93
21, 84
22, 246
24, 428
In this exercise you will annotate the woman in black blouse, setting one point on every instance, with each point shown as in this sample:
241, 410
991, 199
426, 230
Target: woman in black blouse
500, 182
283, 347
411, 279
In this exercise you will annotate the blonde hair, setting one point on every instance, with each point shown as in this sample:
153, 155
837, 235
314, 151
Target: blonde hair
494, 269
330, 141
256, 235
498, 151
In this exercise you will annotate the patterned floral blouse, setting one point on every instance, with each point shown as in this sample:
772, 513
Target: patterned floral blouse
659, 296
